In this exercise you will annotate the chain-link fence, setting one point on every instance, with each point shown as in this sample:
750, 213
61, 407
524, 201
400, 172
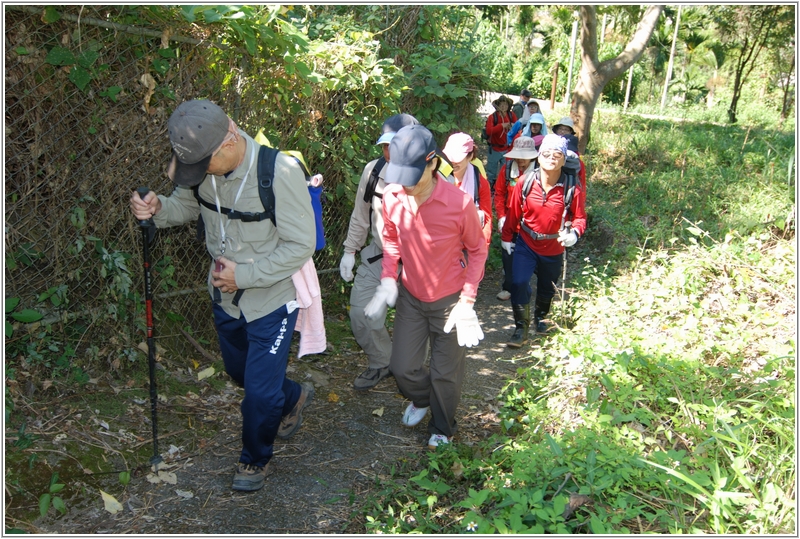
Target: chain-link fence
85, 124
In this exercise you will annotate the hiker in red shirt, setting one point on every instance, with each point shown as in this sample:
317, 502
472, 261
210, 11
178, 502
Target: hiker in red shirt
497, 126
433, 226
543, 234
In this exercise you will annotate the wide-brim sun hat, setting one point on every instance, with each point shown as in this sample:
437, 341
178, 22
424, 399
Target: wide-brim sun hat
507, 99
524, 148
412, 148
566, 121
458, 147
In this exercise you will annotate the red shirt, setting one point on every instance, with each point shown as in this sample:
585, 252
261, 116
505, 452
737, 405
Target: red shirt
433, 242
542, 213
498, 138
503, 191
485, 201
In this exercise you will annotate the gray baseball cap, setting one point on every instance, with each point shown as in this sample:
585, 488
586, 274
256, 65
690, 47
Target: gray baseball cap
196, 129
393, 124
411, 149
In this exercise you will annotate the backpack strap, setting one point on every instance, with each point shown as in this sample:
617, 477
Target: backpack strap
477, 175
266, 173
372, 183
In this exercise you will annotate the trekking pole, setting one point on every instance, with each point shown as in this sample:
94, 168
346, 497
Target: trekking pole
568, 228
148, 231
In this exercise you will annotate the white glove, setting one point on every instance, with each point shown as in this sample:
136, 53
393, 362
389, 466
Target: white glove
385, 295
508, 246
346, 266
567, 238
500, 223
468, 328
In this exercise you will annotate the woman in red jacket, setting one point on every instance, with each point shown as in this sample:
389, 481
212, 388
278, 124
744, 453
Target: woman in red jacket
460, 150
497, 126
540, 216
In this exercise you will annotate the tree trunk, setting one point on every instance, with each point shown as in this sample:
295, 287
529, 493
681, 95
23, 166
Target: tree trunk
594, 75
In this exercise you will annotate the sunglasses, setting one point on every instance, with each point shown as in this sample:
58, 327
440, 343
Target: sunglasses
548, 155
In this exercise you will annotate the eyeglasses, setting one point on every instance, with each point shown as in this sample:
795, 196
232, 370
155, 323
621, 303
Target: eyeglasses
230, 136
554, 155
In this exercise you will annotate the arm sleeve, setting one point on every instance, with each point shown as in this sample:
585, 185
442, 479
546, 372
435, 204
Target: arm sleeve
294, 218
475, 244
493, 129
486, 208
578, 210
358, 229
391, 246
501, 192
514, 214
178, 208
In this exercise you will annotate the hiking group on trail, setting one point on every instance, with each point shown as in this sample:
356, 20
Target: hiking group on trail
428, 213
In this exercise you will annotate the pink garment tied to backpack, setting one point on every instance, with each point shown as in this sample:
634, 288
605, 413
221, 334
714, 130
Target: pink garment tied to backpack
310, 320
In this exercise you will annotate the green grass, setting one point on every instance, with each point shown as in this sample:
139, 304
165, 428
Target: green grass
669, 406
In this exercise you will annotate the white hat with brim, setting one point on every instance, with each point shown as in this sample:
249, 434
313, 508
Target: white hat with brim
524, 148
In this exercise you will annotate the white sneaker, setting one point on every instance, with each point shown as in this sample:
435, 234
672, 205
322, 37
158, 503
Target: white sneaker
437, 439
504, 295
413, 415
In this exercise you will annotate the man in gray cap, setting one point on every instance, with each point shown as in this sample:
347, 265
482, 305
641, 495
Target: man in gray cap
250, 276
367, 218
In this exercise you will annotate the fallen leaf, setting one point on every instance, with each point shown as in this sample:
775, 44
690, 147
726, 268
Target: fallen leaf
575, 501
110, 502
205, 373
458, 469
153, 478
46, 384
168, 477
378, 412
333, 397
143, 347
195, 363
184, 494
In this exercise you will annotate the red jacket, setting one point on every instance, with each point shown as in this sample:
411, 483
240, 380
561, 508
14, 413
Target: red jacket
498, 138
542, 213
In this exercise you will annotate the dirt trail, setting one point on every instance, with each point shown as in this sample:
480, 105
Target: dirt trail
347, 438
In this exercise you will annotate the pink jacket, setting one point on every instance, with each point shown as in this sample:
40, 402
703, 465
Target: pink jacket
310, 320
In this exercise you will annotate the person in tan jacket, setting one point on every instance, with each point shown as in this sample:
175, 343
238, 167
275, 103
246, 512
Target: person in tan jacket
367, 220
250, 275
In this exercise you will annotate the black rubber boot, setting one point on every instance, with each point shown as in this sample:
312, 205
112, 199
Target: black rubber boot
540, 310
522, 320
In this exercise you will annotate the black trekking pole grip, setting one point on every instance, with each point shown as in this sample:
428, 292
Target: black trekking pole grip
142, 192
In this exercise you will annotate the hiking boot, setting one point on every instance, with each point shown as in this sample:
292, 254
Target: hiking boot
437, 440
541, 326
370, 378
522, 319
413, 415
504, 295
249, 477
539, 312
292, 421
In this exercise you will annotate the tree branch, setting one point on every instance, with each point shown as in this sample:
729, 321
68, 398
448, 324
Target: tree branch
635, 47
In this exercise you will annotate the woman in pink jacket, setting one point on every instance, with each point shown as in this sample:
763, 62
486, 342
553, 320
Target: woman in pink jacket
433, 226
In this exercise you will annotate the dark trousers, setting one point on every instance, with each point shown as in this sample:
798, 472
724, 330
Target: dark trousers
525, 264
255, 355
508, 260
439, 386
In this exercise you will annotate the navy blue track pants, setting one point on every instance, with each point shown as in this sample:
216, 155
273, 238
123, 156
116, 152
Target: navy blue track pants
256, 354
524, 264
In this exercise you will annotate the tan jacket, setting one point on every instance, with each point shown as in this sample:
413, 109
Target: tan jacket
360, 225
266, 256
